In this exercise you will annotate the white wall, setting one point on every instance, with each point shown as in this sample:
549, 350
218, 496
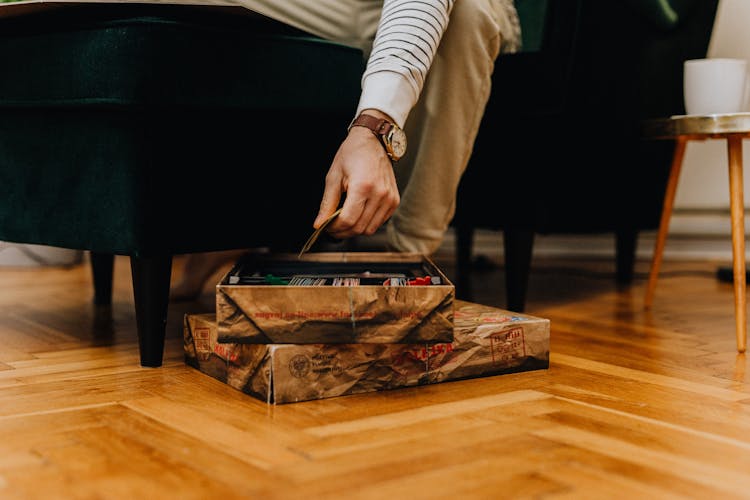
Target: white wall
702, 199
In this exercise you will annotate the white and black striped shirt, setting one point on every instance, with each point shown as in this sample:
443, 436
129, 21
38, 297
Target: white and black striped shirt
407, 38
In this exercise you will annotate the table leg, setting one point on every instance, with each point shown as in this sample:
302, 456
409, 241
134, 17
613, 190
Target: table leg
737, 207
666, 214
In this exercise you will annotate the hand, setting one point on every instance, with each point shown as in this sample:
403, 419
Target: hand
363, 171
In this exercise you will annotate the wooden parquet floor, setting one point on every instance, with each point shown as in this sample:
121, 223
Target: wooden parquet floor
635, 404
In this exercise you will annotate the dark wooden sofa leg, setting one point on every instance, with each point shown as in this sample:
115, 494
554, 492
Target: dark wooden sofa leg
102, 265
626, 241
518, 245
464, 248
151, 277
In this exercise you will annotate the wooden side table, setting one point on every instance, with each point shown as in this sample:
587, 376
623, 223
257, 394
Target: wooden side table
733, 127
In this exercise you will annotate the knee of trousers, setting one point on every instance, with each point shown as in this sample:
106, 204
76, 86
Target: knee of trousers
479, 25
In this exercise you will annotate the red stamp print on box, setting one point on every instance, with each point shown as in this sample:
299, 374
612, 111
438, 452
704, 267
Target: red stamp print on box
226, 352
421, 353
202, 341
507, 345
202, 338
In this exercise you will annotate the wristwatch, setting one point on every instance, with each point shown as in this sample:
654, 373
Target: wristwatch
389, 134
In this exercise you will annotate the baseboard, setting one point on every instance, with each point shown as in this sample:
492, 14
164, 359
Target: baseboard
22, 255
678, 246
703, 223
693, 235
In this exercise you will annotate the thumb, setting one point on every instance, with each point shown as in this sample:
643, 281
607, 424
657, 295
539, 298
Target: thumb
328, 205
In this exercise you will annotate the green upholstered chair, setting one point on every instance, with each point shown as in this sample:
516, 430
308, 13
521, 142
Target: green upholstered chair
155, 130
562, 130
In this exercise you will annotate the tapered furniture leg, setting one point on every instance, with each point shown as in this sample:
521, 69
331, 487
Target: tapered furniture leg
464, 247
102, 265
518, 245
626, 241
666, 213
151, 277
737, 209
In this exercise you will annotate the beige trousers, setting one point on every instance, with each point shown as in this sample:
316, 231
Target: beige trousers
441, 128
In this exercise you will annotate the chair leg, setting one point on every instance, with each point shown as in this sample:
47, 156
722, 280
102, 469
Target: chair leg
626, 241
464, 248
151, 277
518, 245
102, 265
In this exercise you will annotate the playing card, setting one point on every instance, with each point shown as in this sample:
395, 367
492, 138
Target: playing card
314, 237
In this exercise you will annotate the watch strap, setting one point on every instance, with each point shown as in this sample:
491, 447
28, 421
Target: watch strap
379, 126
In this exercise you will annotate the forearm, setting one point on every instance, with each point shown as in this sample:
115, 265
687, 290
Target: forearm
407, 38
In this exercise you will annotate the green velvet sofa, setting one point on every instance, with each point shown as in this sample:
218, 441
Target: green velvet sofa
562, 129
150, 131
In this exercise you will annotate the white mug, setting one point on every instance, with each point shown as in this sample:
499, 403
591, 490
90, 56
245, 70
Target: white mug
715, 86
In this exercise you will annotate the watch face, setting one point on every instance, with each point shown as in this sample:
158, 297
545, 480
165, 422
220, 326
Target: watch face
398, 142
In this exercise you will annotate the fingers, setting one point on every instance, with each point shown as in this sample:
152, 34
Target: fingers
363, 173
382, 215
365, 209
331, 199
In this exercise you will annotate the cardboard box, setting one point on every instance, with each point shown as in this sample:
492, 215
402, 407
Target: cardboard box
488, 341
251, 309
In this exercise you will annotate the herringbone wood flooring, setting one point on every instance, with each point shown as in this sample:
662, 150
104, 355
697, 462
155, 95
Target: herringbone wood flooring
634, 404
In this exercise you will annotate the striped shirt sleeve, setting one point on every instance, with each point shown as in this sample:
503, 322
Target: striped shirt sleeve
407, 38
